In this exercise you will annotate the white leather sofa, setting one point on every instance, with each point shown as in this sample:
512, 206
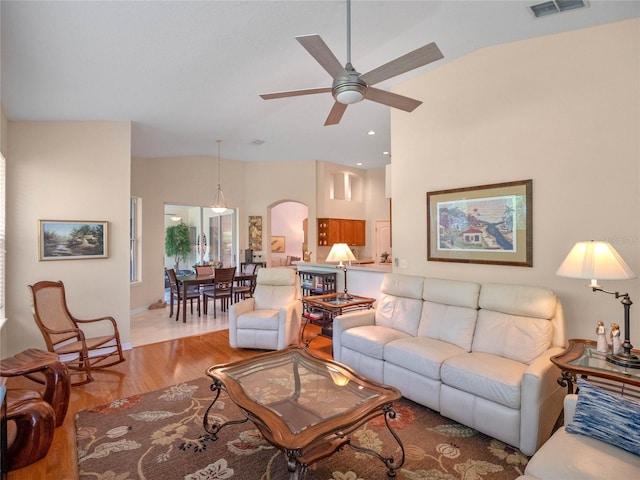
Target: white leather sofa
568, 456
478, 354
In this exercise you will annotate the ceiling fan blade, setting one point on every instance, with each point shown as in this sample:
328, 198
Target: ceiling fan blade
335, 115
323, 55
392, 99
419, 57
295, 93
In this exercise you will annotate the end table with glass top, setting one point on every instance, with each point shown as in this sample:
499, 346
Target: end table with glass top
304, 405
323, 309
582, 358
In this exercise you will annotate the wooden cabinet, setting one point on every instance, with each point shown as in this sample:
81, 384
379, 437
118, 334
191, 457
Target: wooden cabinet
341, 230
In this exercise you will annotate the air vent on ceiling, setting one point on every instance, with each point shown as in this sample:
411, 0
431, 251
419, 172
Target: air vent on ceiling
557, 6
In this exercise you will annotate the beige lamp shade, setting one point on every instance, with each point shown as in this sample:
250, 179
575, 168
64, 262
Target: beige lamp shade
596, 261
340, 252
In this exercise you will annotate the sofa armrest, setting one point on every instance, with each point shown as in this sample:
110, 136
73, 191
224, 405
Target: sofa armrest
289, 323
346, 321
570, 402
541, 401
235, 310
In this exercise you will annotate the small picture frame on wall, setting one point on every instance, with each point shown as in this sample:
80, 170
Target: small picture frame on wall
277, 244
490, 224
72, 240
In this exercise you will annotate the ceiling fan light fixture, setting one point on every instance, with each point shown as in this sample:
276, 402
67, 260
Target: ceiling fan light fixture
220, 204
349, 93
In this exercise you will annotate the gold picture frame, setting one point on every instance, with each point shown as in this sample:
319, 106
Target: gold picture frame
490, 224
277, 244
72, 240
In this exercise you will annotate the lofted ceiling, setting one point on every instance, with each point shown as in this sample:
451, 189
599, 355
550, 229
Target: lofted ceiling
186, 73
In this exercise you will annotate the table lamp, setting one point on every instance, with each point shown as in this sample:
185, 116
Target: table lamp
340, 252
599, 260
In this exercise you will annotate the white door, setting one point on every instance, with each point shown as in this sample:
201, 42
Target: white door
383, 239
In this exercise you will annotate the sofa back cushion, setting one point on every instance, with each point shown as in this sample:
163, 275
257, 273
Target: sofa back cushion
449, 311
514, 321
275, 287
400, 302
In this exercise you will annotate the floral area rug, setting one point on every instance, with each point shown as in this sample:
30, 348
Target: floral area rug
159, 435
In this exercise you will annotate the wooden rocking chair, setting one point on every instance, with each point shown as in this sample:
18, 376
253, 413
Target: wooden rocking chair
63, 335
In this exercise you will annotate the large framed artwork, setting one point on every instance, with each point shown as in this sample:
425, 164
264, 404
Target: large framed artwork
489, 224
255, 232
72, 240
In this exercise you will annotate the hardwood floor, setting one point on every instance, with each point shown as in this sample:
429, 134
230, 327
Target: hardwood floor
147, 368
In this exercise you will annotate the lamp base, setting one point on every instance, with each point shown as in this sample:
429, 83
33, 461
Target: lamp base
624, 360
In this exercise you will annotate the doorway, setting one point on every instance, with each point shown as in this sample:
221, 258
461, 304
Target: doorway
383, 241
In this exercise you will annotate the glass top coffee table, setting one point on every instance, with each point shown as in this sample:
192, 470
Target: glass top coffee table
305, 405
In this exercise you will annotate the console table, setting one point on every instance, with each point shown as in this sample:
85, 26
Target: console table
582, 358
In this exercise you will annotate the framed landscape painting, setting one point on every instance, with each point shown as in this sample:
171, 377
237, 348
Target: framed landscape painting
489, 224
73, 240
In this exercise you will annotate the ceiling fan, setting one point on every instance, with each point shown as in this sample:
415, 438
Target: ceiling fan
349, 86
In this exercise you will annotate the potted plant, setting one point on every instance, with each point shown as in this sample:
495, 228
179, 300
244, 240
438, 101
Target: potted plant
177, 243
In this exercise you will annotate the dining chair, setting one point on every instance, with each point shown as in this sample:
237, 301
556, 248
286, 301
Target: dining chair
244, 288
222, 289
63, 335
193, 293
203, 271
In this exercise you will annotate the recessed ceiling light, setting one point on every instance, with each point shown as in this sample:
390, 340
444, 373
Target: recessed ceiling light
359, 164
371, 132
257, 142
385, 153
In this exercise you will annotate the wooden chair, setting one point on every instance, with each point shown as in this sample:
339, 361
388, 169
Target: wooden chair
203, 271
63, 335
245, 288
176, 294
222, 289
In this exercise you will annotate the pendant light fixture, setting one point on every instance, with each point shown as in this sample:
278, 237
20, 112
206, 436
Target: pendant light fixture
220, 204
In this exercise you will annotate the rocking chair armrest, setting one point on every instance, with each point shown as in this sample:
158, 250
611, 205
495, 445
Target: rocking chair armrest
100, 319
77, 331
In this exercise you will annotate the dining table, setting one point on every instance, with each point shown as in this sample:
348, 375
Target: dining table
188, 280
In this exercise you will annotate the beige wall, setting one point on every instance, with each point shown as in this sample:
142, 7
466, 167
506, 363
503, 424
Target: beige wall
562, 110
67, 171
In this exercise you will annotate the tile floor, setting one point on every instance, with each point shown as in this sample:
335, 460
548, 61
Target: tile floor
152, 326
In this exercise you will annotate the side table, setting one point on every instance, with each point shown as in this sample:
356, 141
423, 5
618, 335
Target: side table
44, 368
324, 308
582, 358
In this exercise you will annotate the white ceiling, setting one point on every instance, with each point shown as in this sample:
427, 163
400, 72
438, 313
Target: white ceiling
189, 72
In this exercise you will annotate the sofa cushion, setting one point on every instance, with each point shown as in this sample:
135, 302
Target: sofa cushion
451, 292
448, 323
511, 336
399, 313
259, 320
606, 417
421, 355
488, 376
519, 300
370, 339
401, 285
566, 456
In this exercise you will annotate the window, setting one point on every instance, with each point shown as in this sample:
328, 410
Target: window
2, 235
135, 255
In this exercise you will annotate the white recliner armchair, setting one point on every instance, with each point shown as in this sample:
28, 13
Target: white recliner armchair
270, 320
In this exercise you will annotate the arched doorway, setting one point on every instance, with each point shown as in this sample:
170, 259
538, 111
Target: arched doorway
287, 232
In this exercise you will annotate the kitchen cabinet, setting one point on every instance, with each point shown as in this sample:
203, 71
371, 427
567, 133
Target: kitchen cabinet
341, 230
